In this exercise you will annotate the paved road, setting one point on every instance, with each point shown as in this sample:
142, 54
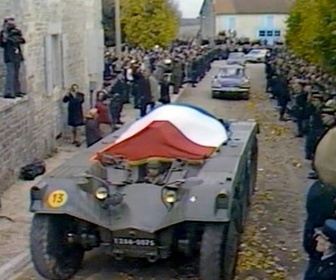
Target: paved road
270, 247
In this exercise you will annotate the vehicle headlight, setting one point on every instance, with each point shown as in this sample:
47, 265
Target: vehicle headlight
170, 197
245, 84
101, 193
216, 83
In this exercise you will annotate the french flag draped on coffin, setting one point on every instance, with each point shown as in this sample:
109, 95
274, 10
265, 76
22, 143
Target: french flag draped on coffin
169, 132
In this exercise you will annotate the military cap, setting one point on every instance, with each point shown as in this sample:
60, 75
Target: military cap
328, 110
328, 231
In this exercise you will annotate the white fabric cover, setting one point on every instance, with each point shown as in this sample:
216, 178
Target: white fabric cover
193, 124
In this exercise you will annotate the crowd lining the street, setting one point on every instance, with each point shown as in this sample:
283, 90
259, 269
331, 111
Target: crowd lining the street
304, 93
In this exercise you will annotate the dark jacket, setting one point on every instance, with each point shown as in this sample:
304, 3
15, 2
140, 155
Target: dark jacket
75, 110
324, 270
164, 92
92, 132
144, 89
12, 46
320, 206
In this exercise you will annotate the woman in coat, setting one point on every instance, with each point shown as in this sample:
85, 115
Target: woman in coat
75, 100
104, 116
92, 132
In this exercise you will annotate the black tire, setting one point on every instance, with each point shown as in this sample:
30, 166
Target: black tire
52, 257
231, 252
254, 168
219, 252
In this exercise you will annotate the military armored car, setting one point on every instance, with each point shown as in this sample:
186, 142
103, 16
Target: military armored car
106, 196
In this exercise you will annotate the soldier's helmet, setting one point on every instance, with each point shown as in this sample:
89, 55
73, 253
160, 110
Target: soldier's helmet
153, 164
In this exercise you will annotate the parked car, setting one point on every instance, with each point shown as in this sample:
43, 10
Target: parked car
257, 56
231, 82
236, 58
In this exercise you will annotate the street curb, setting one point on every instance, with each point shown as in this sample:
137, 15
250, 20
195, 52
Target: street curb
16, 266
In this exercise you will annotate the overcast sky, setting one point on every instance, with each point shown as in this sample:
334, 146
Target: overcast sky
190, 8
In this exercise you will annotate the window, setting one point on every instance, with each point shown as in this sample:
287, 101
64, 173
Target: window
277, 33
268, 21
54, 69
262, 33
231, 23
270, 33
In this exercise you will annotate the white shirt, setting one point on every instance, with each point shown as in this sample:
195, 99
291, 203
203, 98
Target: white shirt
129, 74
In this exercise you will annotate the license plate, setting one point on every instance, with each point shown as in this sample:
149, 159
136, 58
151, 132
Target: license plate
134, 242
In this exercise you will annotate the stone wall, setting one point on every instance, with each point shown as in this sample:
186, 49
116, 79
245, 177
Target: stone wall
29, 126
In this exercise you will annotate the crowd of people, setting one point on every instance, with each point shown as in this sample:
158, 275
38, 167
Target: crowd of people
306, 95
143, 78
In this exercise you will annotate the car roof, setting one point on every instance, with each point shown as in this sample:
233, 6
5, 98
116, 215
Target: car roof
237, 53
232, 66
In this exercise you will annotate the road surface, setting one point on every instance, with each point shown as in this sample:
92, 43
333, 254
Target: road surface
271, 246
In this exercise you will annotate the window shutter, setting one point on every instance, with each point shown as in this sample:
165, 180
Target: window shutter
65, 61
48, 64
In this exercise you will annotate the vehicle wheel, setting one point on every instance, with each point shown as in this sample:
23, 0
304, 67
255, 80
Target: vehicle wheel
212, 252
231, 252
240, 213
52, 257
254, 167
219, 252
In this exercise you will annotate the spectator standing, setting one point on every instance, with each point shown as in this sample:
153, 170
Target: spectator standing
92, 132
75, 100
11, 40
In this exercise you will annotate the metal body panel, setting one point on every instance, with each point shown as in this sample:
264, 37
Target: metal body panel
142, 207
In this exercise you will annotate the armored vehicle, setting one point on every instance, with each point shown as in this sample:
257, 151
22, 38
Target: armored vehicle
176, 181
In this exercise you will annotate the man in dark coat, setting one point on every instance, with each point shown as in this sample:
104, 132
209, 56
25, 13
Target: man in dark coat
315, 125
282, 92
145, 96
320, 206
325, 267
11, 40
75, 100
164, 90
300, 109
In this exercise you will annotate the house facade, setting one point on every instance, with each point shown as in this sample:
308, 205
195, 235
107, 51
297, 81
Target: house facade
65, 45
254, 19
207, 20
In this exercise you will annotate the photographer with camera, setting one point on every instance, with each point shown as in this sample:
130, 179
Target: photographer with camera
10, 40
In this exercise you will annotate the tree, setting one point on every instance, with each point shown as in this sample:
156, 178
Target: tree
109, 22
147, 23
311, 32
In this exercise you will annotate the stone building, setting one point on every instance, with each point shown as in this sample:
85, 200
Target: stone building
65, 45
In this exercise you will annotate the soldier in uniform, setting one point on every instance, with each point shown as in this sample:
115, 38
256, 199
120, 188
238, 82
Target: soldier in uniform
116, 103
315, 125
194, 72
300, 108
320, 206
176, 75
154, 175
325, 267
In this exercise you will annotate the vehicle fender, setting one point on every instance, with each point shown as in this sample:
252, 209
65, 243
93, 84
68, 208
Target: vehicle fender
200, 204
50, 197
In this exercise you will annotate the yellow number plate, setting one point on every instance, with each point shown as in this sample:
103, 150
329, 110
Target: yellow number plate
57, 199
